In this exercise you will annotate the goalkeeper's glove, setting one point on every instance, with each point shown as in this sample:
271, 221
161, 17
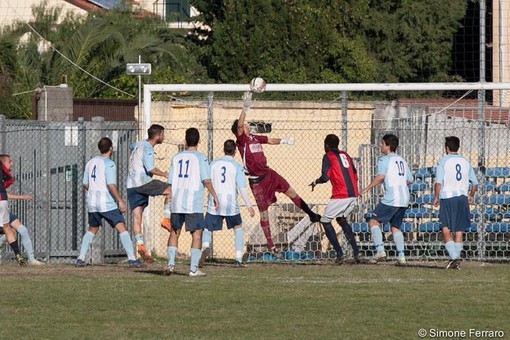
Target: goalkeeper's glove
287, 140
246, 101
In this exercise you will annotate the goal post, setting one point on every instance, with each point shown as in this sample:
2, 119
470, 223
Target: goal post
420, 123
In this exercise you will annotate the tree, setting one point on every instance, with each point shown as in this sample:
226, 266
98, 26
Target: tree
328, 41
92, 51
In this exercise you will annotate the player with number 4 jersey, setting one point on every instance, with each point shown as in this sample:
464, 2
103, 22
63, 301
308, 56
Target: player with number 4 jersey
100, 181
454, 175
394, 173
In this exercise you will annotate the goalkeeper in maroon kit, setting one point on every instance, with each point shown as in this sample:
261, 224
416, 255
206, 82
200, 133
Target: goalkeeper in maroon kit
264, 181
338, 168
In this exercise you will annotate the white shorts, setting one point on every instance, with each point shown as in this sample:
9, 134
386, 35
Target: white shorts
338, 207
4, 212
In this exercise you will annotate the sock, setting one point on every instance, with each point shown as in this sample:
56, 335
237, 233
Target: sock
398, 238
206, 238
238, 244
333, 239
125, 239
347, 230
450, 248
298, 201
85, 243
458, 248
139, 239
171, 252
266, 229
195, 257
166, 210
26, 242
14, 247
377, 238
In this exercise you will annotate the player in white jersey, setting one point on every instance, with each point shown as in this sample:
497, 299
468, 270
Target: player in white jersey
140, 184
394, 173
453, 176
100, 181
188, 175
228, 179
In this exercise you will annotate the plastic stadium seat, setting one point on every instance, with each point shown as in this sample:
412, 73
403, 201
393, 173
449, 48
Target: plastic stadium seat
503, 187
473, 227
429, 226
406, 226
360, 227
425, 199
418, 186
419, 212
497, 227
425, 172
497, 199
385, 227
489, 185
499, 171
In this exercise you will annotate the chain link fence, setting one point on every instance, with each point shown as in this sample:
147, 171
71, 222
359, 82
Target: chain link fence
49, 158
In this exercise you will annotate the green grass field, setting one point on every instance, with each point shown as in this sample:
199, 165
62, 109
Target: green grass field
262, 301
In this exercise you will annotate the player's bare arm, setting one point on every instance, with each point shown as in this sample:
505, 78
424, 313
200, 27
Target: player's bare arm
19, 196
375, 182
246, 108
471, 194
158, 172
437, 190
115, 193
210, 188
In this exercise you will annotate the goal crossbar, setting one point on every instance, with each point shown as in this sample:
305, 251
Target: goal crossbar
149, 88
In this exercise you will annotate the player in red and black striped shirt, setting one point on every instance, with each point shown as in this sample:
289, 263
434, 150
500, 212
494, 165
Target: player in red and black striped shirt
338, 168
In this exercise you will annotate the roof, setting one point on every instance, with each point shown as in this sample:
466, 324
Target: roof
464, 108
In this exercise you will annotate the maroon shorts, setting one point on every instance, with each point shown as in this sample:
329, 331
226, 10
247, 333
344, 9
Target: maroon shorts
265, 190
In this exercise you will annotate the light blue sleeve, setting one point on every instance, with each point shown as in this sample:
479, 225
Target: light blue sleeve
85, 179
170, 171
148, 157
382, 165
240, 179
440, 171
472, 176
205, 169
111, 172
410, 177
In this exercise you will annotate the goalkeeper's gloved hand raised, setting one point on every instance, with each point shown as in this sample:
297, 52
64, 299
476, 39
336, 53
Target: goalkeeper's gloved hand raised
246, 101
287, 140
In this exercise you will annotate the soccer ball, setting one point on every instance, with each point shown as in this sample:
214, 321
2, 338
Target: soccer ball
257, 85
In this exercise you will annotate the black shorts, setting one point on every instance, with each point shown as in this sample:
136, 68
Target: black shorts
193, 221
215, 222
139, 196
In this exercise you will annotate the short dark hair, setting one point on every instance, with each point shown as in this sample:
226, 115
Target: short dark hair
391, 140
332, 141
453, 143
155, 130
229, 147
234, 126
192, 137
104, 145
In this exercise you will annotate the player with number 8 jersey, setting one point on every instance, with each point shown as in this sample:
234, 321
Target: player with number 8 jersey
453, 176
